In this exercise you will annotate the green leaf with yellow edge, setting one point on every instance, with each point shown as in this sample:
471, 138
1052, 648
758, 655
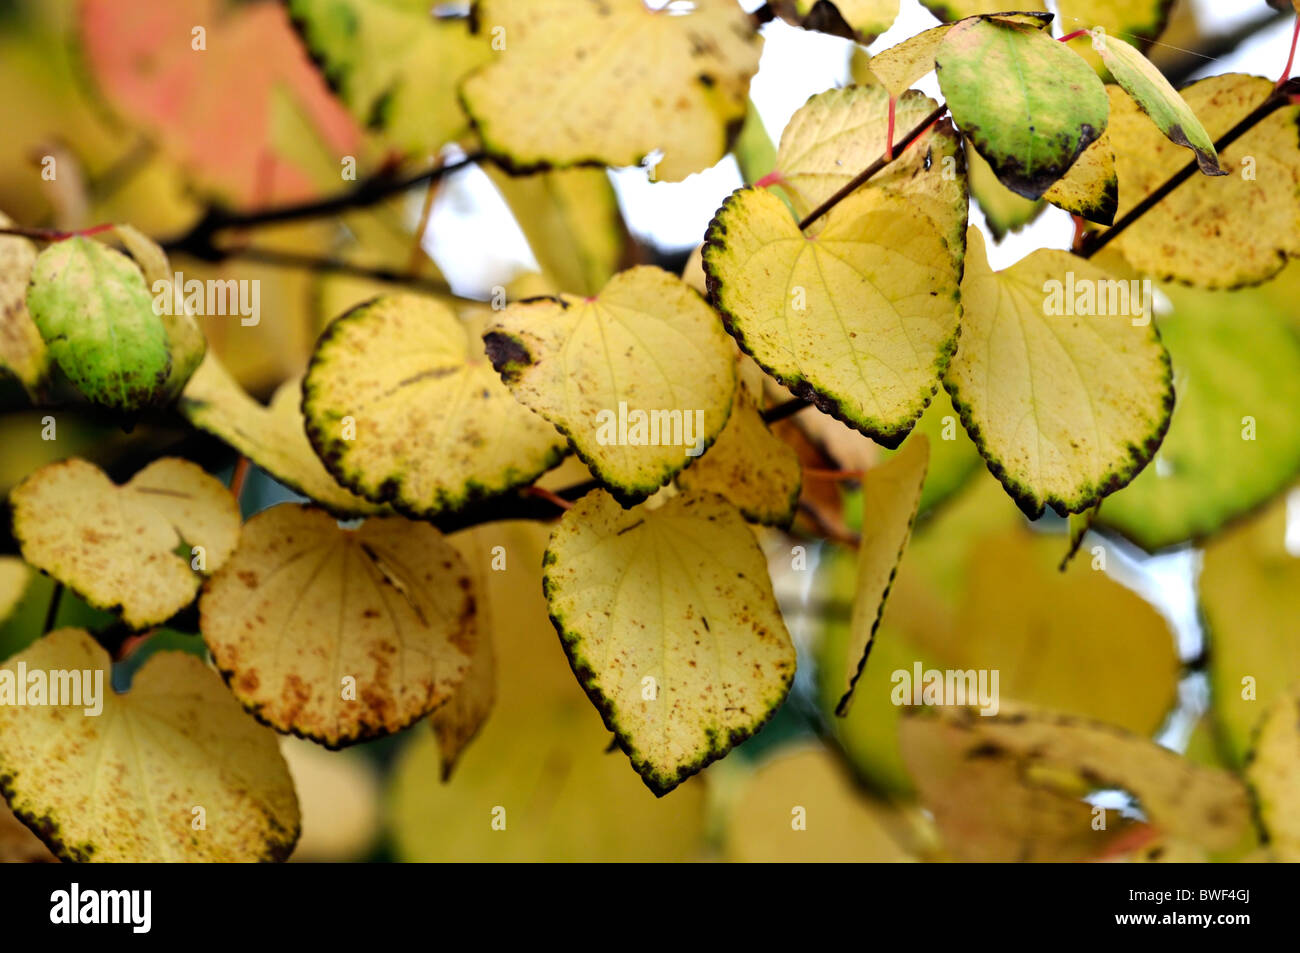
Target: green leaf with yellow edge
1065, 407
839, 132
123, 785
582, 81
1248, 587
339, 635
1043, 107
748, 464
403, 407
1004, 210
1068, 756
669, 621
1156, 97
859, 20
395, 64
1220, 232
1273, 773
840, 823
860, 318
142, 547
273, 437
891, 494
22, 349
97, 318
1091, 188
572, 222
648, 346
1234, 440
456, 723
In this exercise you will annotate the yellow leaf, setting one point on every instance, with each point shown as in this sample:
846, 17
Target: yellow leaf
142, 547
860, 20
891, 494
1059, 376
339, 635
456, 723
403, 408
14, 576
1219, 232
272, 437
574, 81
1248, 590
861, 318
338, 794
572, 222
22, 350
838, 133
1032, 751
801, 806
668, 618
128, 784
903, 64
749, 465
1273, 773
639, 378
1090, 188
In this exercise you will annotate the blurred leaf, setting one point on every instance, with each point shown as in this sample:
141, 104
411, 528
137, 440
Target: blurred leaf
1273, 773
22, 349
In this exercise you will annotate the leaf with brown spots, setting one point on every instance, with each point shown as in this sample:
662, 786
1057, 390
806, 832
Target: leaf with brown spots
124, 785
669, 621
1007, 786
586, 81
339, 635
143, 547
22, 349
403, 406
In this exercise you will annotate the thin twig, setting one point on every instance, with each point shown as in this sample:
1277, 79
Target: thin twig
52, 613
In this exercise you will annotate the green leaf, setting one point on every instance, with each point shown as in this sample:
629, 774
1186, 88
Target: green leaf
1059, 376
1158, 99
1026, 102
1249, 585
1004, 210
403, 407
669, 621
1234, 439
97, 317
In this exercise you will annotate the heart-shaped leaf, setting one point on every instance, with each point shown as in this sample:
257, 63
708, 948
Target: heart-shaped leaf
860, 318
575, 83
130, 782
402, 406
1059, 376
142, 547
639, 378
1026, 102
339, 635
669, 622
97, 317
